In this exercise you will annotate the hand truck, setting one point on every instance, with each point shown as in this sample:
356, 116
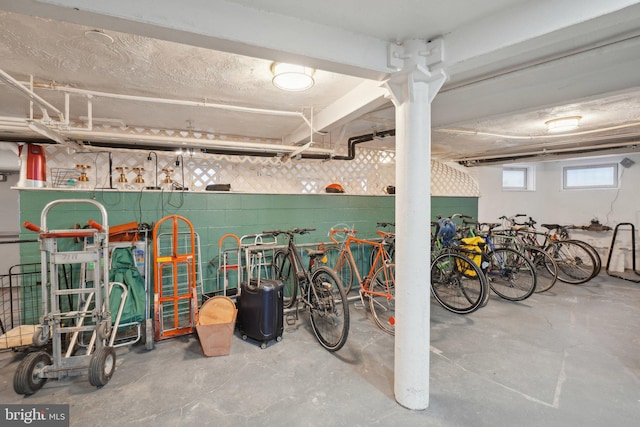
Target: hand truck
92, 316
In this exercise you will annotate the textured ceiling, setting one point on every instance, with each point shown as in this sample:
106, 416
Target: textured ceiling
493, 106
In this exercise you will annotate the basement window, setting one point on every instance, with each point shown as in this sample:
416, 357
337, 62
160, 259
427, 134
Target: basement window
518, 178
590, 177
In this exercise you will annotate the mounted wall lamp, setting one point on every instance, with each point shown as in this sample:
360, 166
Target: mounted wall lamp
563, 124
292, 77
156, 170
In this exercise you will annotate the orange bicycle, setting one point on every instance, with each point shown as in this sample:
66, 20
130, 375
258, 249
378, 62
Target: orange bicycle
378, 286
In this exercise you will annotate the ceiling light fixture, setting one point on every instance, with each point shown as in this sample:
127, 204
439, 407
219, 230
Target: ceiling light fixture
563, 124
98, 37
291, 77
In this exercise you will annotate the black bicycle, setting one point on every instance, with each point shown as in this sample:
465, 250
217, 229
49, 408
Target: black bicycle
320, 290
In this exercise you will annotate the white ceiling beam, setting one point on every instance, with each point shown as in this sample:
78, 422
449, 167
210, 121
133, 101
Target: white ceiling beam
227, 27
607, 69
518, 33
231, 27
364, 98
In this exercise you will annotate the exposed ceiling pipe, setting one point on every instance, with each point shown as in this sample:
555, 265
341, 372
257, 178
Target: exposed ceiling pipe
536, 137
159, 140
30, 95
619, 140
220, 151
354, 140
553, 154
106, 139
155, 100
90, 94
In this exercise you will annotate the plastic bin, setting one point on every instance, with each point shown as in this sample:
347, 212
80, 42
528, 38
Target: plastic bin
215, 325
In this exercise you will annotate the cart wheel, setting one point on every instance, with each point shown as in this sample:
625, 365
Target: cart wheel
103, 331
279, 338
39, 338
244, 337
148, 330
26, 379
102, 365
263, 345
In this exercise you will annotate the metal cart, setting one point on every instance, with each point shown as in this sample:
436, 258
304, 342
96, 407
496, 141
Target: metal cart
92, 316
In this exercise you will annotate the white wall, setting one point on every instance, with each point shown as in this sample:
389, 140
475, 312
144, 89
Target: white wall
9, 223
549, 203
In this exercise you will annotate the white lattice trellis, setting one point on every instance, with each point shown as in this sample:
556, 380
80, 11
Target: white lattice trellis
368, 174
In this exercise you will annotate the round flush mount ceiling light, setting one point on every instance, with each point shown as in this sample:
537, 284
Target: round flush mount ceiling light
292, 77
563, 124
98, 36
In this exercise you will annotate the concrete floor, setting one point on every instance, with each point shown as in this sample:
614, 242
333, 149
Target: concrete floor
568, 357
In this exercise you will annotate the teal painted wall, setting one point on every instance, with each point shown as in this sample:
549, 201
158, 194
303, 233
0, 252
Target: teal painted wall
216, 214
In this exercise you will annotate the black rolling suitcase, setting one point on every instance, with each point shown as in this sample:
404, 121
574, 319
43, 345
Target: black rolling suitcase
260, 311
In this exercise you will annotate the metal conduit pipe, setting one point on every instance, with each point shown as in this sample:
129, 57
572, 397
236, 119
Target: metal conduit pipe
354, 140
158, 100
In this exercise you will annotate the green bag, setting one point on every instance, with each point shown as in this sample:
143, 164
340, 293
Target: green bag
123, 270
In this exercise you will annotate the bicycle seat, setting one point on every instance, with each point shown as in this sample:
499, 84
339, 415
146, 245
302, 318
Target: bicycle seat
314, 253
551, 226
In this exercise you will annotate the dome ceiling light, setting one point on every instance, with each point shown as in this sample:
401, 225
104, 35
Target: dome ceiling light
563, 124
293, 78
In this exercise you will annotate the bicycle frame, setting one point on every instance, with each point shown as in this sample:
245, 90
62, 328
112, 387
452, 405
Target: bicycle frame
320, 291
301, 274
381, 258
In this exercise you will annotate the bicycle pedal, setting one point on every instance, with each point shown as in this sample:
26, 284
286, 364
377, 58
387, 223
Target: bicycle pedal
290, 319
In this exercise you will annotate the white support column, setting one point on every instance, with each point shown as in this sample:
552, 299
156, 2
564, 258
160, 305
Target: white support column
412, 90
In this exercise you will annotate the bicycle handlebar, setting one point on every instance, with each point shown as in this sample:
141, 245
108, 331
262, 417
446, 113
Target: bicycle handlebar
386, 224
296, 230
333, 231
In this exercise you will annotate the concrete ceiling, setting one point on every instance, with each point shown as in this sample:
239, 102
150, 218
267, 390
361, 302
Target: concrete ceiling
204, 68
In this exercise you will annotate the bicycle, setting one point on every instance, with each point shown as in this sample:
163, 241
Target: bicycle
576, 262
457, 282
320, 291
563, 235
388, 238
545, 266
509, 273
378, 286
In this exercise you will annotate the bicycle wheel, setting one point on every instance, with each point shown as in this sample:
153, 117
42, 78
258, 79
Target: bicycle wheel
457, 283
382, 298
546, 268
594, 253
576, 264
390, 250
510, 274
283, 270
343, 269
329, 309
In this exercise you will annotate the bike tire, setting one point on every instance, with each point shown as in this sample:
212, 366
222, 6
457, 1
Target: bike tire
390, 250
452, 285
546, 268
283, 270
342, 267
382, 298
594, 252
329, 309
576, 264
510, 274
